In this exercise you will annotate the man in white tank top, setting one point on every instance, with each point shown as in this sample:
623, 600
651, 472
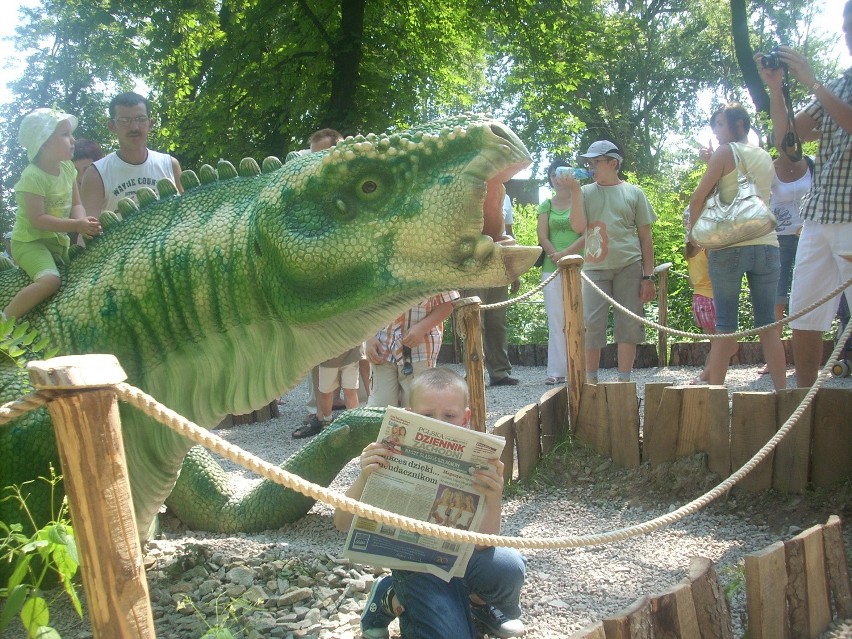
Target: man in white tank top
133, 166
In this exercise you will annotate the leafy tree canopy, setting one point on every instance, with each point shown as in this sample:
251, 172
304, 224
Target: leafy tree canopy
233, 78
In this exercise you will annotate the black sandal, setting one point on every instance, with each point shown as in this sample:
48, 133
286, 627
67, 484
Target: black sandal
313, 427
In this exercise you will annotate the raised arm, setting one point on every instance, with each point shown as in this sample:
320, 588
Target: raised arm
373, 457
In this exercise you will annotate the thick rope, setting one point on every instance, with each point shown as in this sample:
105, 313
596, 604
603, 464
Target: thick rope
166, 416
151, 407
520, 298
23, 405
712, 336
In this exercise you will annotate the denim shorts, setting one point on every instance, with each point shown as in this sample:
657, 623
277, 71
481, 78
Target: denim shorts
787, 244
761, 264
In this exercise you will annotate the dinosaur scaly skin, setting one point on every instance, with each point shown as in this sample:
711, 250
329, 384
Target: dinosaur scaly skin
217, 301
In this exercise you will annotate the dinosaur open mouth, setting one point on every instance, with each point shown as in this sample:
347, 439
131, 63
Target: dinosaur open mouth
499, 161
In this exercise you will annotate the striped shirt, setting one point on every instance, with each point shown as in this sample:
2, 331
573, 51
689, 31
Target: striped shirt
391, 336
830, 198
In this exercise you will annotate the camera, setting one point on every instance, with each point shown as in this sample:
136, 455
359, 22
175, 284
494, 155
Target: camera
772, 60
407, 366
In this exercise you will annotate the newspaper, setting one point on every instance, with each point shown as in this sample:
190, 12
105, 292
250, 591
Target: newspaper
430, 477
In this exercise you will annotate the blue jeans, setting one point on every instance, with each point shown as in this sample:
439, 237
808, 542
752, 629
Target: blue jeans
436, 609
761, 264
787, 244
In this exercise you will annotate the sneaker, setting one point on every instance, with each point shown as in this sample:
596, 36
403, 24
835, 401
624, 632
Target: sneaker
376, 616
494, 623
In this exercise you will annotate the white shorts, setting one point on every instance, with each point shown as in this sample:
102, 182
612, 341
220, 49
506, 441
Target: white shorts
820, 268
344, 377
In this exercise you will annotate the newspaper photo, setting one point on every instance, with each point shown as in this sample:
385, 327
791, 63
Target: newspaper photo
430, 477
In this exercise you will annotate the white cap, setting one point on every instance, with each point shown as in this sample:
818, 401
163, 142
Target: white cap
603, 147
39, 125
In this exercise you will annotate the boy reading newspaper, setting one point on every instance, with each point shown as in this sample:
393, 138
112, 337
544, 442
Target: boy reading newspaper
486, 598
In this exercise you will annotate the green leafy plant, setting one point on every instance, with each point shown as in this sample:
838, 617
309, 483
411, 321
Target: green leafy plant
20, 343
734, 578
50, 552
229, 616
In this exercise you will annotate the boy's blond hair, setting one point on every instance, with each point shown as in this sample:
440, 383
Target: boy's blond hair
439, 379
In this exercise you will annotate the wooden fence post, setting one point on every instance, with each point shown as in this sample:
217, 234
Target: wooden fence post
662, 272
575, 331
91, 451
469, 327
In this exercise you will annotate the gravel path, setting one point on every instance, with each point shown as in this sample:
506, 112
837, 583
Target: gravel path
306, 590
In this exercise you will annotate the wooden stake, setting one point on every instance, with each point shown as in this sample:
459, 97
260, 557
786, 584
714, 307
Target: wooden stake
832, 432
663, 313
505, 427
622, 417
469, 326
807, 590
575, 331
528, 440
793, 454
711, 607
91, 451
748, 435
553, 407
673, 614
766, 599
835, 564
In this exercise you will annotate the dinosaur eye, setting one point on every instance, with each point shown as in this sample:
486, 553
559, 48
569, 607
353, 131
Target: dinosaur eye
369, 186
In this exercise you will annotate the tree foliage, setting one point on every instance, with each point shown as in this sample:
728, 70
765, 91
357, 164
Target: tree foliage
232, 78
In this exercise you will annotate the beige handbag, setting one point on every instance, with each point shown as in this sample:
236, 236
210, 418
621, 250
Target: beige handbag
746, 218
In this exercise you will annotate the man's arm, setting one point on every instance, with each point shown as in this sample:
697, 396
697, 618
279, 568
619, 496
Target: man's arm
177, 171
92, 192
798, 67
416, 333
646, 244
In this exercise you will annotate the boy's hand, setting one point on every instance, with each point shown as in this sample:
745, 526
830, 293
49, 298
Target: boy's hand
490, 481
373, 457
88, 226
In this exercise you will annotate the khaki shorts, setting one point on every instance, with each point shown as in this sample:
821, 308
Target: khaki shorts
344, 377
37, 258
623, 285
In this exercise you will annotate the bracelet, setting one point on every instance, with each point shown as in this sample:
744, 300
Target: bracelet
648, 278
816, 86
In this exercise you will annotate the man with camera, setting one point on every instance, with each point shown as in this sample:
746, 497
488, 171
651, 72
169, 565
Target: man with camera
824, 255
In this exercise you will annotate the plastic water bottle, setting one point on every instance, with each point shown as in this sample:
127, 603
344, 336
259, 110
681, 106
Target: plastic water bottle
577, 172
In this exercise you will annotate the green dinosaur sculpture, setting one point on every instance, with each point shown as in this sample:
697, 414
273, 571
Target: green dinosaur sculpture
217, 301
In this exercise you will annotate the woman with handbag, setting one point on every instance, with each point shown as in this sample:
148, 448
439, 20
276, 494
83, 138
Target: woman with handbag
757, 258
557, 239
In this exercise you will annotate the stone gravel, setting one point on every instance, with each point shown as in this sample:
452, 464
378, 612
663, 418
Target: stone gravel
292, 582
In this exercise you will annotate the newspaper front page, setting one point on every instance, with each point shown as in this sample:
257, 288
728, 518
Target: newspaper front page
430, 477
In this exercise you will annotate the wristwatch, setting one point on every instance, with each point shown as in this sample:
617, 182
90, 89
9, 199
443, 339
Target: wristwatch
648, 278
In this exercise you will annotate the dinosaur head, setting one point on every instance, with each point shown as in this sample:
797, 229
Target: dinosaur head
410, 213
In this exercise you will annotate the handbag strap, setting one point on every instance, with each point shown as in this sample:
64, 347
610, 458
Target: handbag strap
736, 153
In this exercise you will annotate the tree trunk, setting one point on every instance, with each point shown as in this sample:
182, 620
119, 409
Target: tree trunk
745, 57
346, 60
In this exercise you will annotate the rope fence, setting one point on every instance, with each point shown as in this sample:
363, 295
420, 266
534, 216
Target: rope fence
148, 405
712, 336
